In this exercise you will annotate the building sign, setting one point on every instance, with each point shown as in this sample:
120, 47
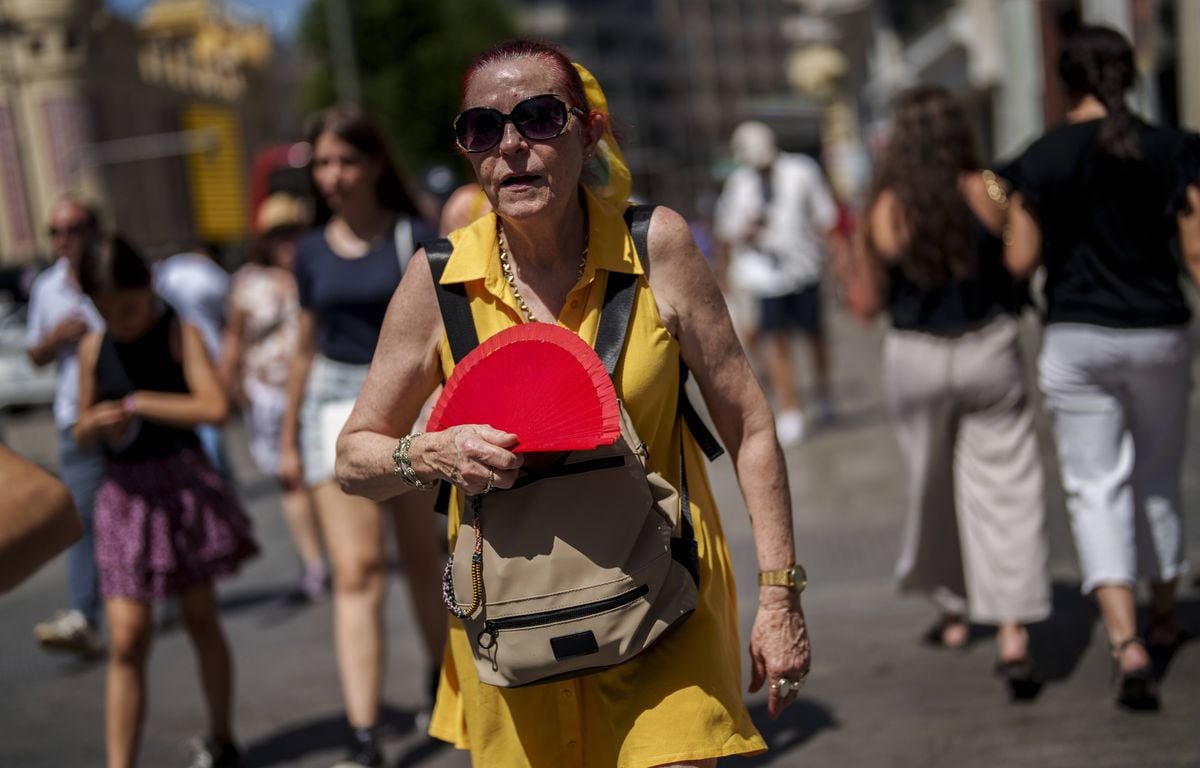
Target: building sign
216, 177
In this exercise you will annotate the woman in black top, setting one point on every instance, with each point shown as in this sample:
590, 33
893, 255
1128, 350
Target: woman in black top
1101, 202
346, 272
931, 256
166, 523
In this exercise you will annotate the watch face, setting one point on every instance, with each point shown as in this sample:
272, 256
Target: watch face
799, 577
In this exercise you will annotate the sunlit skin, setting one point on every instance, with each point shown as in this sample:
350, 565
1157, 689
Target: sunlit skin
68, 227
524, 178
345, 177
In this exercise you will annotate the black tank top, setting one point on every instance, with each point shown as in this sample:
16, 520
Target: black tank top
148, 365
957, 306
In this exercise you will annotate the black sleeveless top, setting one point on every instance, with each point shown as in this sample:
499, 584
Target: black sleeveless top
147, 365
958, 305
1109, 228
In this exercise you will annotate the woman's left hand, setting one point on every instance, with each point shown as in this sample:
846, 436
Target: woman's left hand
779, 648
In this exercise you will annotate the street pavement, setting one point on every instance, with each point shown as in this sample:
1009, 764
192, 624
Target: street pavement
876, 697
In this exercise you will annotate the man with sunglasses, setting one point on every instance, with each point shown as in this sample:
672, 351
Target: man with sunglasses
59, 316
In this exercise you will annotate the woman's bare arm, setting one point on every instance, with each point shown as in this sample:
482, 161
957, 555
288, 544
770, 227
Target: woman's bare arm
203, 403
291, 471
37, 518
1189, 234
1022, 240
693, 310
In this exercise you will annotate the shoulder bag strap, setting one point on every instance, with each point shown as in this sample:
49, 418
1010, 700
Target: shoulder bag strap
456, 318
453, 301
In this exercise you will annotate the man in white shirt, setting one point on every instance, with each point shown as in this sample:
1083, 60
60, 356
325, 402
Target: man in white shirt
775, 213
59, 315
198, 288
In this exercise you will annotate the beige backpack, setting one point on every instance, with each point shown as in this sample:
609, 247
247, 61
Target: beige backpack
586, 562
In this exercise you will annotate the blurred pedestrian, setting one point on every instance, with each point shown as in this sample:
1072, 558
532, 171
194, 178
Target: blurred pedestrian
775, 212
932, 257
196, 285
1101, 202
346, 272
259, 341
59, 315
166, 523
464, 205
537, 132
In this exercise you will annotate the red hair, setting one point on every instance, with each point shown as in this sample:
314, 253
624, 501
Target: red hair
566, 74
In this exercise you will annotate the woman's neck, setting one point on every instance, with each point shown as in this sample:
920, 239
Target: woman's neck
366, 222
550, 242
1087, 108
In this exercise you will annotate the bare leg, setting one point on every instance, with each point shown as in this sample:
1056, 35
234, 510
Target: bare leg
1120, 619
783, 379
1012, 642
302, 523
213, 657
354, 536
130, 626
421, 544
819, 349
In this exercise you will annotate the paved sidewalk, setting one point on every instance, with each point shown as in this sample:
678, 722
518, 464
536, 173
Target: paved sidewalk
877, 696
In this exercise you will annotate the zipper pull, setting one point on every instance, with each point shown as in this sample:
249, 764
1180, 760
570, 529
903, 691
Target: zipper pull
487, 636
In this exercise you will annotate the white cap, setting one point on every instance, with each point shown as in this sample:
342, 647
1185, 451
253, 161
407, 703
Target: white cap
753, 144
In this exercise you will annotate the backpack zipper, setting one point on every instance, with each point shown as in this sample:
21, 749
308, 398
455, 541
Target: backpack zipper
492, 626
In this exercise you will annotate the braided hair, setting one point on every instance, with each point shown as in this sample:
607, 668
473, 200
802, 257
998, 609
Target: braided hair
1099, 61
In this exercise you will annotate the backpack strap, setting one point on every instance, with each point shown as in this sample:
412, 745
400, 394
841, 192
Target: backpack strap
637, 218
453, 301
460, 326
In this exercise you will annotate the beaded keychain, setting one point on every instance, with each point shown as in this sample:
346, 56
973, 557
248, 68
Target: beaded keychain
448, 598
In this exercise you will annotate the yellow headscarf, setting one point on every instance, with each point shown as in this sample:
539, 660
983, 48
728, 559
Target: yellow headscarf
605, 173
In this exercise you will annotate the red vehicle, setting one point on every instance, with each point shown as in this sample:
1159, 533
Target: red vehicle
279, 168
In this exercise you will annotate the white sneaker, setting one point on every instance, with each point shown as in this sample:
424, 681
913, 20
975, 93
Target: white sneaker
789, 428
69, 631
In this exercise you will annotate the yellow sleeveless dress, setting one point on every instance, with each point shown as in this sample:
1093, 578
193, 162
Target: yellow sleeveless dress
682, 698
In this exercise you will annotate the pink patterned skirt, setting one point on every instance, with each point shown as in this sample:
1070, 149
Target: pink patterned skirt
166, 525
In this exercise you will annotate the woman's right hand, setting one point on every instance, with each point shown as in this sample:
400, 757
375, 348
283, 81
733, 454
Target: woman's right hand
474, 457
291, 468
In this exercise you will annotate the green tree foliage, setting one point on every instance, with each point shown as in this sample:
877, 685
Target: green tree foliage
411, 58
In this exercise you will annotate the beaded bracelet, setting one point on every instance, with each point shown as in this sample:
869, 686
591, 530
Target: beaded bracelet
402, 466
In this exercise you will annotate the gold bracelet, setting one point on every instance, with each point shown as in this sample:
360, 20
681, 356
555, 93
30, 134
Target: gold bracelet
402, 465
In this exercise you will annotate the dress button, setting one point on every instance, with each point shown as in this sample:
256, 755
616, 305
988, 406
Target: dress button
572, 744
566, 694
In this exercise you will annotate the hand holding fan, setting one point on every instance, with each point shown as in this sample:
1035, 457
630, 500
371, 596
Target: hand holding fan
538, 381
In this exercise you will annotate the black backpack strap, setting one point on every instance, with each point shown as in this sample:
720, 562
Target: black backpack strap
452, 300
637, 218
460, 326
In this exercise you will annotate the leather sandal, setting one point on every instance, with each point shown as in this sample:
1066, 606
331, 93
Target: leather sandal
1134, 689
1022, 676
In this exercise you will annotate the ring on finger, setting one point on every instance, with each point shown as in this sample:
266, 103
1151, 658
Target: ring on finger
491, 481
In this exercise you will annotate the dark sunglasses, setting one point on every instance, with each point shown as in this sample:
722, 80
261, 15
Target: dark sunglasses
73, 229
537, 118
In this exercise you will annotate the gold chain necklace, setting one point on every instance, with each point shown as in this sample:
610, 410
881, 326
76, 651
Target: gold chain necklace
507, 268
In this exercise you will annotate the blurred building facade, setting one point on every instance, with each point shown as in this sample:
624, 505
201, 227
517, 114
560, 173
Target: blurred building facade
679, 75
152, 119
1000, 57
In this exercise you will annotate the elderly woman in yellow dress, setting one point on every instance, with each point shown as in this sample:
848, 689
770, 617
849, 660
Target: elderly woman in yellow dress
558, 187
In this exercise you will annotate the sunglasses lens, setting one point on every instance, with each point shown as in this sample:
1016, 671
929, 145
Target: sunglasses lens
479, 129
540, 118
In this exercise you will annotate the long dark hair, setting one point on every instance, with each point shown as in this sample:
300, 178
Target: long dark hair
1099, 61
354, 126
930, 147
112, 264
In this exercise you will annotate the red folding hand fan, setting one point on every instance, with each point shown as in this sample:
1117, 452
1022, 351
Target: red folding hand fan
538, 381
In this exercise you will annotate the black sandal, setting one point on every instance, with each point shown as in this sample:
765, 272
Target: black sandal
934, 636
1156, 627
1022, 676
1134, 689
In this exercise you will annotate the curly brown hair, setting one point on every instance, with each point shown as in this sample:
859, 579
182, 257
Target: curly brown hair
930, 147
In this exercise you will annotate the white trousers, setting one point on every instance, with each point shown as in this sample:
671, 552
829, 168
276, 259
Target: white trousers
1118, 401
975, 539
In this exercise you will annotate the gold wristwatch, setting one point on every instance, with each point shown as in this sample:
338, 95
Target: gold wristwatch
793, 578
